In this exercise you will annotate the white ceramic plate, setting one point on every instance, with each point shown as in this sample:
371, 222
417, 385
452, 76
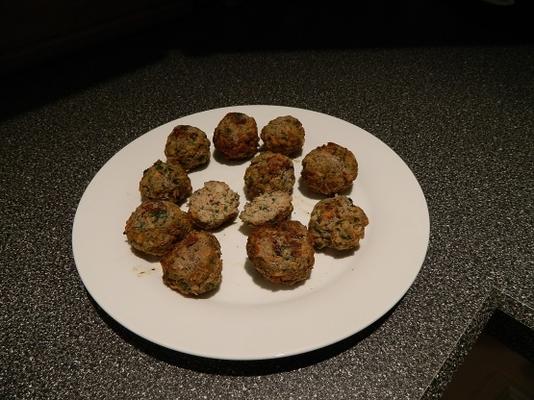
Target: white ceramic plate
248, 318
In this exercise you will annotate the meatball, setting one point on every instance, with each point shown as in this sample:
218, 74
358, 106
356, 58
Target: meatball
155, 226
187, 146
213, 205
337, 223
164, 181
236, 136
194, 265
329, 169
283, 135
267, 208
269, 172
281, 253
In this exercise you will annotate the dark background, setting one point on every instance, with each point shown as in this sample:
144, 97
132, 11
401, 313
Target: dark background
51, 48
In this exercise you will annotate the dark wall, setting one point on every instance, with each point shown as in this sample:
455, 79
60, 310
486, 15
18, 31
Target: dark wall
31, 31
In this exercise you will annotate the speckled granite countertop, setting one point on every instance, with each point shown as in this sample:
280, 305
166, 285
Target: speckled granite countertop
461, 118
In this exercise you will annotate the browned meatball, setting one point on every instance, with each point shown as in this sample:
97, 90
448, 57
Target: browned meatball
155, 226
281, 253
269, 172
329, 169
187, 146
164, 181
283, 135
194, 265
236, 136
337, 223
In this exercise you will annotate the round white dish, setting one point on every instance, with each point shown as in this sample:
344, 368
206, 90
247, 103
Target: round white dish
248, 318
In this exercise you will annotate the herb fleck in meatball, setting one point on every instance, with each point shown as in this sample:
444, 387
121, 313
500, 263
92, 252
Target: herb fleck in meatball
164, 181
329, 169
337, 223
281, 253
271, 208
187, 146
213, 205
269, 172
283, 135
236, 136
155, 226
194, 265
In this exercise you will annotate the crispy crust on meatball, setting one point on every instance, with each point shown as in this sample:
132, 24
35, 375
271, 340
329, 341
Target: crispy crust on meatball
329, 169
213, 205
236, 136
187, 146
194, 265
281, 253
164, 181
155, 226
283, 135
337, 223
267, 208
269, 172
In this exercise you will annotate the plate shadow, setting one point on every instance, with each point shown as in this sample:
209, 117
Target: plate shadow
221, 159
233, 367
306, 192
